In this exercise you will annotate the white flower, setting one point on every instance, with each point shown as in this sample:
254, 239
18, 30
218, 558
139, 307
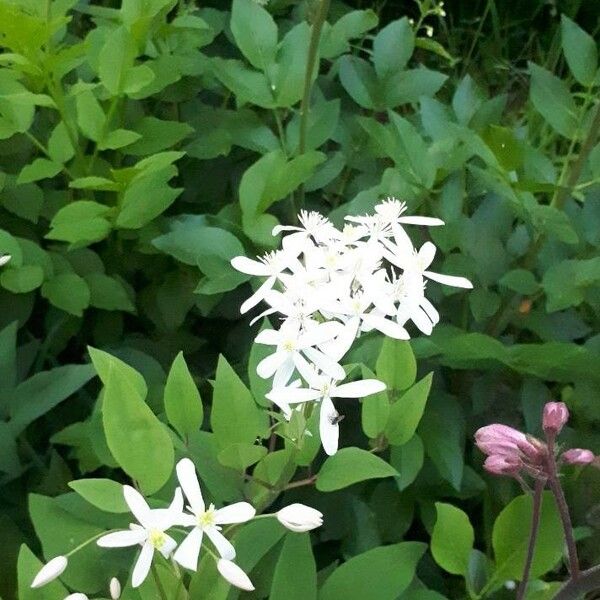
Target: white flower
205, 519
115, 589
299, 517
313, 224
323, 390
50, 571
77, 596
291, 343
4, 258
149, 534
234, 575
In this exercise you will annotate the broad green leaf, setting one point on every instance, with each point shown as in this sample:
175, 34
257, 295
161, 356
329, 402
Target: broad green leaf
292, 57
115, 59
335, 39
183, 404
511, 534
108, 293
360, 81
241, 456
392, 47
105, 494
118, 138
136, 438
396, 365
379, 574
80, 223
255, 33
234, 417
40, 168
106, 363
157, 135
520, 281
452, 539
408, 461
406, 412
580, 51
22, 279
90, 116
349, 466
405, 87
28, 567
295, 576
60, 147
69, 292
375, 409
552, 99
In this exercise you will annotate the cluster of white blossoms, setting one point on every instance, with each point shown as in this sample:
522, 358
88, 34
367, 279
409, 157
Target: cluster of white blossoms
329, 286
151, 533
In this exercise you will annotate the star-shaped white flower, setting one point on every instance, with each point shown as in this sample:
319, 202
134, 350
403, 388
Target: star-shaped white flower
149, 532
205, 520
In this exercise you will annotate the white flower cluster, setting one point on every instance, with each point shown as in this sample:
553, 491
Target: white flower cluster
151, 533
331, 285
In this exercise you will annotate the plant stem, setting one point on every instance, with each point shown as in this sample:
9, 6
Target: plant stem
563, 508
588, 581
301, 483
159, 585
535, 524
313, 53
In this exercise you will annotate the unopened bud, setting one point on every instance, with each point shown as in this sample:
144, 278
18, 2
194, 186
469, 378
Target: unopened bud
115, 589
50, 571
4, 258
556, 414
234, 575
77, 596
578, 456
298, 517
502, 465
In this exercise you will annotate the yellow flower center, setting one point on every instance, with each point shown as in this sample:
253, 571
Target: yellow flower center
207, 518
157, 538
288, 345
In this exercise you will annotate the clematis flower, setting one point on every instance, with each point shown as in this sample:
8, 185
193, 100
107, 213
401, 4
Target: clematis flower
234, 575
205, 520
149, 532
50, 571
299, 517
314, 225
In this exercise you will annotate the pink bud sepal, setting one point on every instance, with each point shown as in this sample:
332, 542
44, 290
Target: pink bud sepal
578, 456
555, 415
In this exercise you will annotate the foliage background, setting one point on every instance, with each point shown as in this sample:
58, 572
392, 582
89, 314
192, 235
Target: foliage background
143, 145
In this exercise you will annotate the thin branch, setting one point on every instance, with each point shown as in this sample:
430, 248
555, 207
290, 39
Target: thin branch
588, 581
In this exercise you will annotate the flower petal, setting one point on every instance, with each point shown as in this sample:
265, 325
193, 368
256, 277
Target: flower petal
142, 566
123, 539
186, 473
243, 264
168, 546
258, 296
189, 550
240, 512
326, 364
268, 366
234, 575
222, 544
319, 334
290, 395
461, 282
386, 326
426, 254
328, 427
358, 389
137, 505
271, 337
414, 220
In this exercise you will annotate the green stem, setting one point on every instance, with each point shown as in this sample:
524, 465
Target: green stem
89, 541
313, 54
535, 525
43, 149
159, 585
109, 115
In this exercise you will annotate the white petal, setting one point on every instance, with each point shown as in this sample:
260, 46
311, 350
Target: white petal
189, 550
358, 389
137, 505
326, 364
421, 319
168, 546
234, 575
77, 596
249, 266
289, 395
176, 505
186, 474
337, 348
426, 254
387, 327
329, 430
307, 370
299, 517
115, 588
284, 372
267, 366
319, 334
142, 566
240, 512
123, 539
431, 311
50, 571
222, 544
271, 337
258, 296
461, 282
431, 221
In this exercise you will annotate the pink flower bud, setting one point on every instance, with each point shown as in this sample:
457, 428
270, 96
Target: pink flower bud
578, 456
502, 465
498, 439
556, 414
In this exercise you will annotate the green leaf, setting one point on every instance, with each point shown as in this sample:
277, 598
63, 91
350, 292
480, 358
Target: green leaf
375, 409
335, 39
580, 51
28, 567
80, 223
157, 135
565, 282
360, 81
60, 147
408, 460
292, 57
379, 574
406, 413
511, 534
452, 539
139, 442
235, 417
349, 466
295, 576
117, 139
21, 280
108, 293
69, 292
552, 99
241, 456
106, 363
392, 47
183, 404
115, 59
90, 116
396, 365
520, 281
406, 87
255, 33
40, 168
105, 494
